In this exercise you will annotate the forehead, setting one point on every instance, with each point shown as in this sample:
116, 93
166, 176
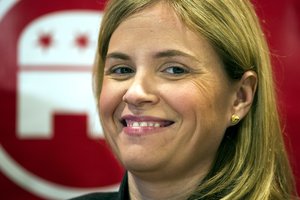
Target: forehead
161, 24
158, 28
160, 13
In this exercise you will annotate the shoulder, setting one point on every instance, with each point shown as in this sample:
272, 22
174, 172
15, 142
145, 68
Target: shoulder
98, 196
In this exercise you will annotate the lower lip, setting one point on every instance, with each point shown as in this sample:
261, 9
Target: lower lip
141, 131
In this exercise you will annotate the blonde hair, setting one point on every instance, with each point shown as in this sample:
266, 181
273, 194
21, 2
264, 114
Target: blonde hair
251, 162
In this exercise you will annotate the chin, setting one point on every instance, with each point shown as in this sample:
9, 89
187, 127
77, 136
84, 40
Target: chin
141, 164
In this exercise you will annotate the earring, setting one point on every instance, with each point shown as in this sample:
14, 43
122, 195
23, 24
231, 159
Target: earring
235, 119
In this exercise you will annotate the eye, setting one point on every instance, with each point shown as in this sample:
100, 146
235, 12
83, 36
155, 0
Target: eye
121, 70
176, 70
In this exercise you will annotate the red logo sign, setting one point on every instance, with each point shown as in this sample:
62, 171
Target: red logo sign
51, 142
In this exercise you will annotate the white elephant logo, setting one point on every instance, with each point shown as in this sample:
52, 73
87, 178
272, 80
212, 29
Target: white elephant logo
55, 58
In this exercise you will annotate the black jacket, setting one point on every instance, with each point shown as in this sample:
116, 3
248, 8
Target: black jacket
122, 194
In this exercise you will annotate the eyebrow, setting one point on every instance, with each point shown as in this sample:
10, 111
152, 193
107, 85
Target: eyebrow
118, 55
161, 54
172, 53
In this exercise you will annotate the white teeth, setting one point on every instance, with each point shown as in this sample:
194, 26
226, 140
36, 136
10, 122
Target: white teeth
156, 125
135, 124
142, 124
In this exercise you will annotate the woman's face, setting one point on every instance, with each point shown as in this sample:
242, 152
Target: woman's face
166, 100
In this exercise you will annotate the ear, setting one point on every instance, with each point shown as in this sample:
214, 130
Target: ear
245, 92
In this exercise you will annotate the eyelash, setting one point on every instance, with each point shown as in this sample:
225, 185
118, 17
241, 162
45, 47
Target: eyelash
183, 70
114, 70
173, 70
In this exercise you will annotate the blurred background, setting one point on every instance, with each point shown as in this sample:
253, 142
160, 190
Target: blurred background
51, 143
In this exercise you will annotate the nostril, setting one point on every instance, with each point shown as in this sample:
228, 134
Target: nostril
139, 94
140, 100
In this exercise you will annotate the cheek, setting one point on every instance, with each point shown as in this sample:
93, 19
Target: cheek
201, 104
188, 98
104, 100
109, 99
200, 128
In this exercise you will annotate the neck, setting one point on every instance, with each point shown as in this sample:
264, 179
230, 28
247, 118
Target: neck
175, 189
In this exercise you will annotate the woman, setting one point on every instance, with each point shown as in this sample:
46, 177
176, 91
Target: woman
187, 103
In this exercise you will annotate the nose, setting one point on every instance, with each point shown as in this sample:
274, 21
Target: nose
141, 92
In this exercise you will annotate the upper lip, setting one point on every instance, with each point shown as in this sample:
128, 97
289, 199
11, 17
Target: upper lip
134, 118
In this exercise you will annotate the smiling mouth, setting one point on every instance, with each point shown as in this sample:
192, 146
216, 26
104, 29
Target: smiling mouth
130, 123
144, 122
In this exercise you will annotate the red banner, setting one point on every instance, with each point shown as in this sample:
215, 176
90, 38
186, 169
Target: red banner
51, 143
281, 22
